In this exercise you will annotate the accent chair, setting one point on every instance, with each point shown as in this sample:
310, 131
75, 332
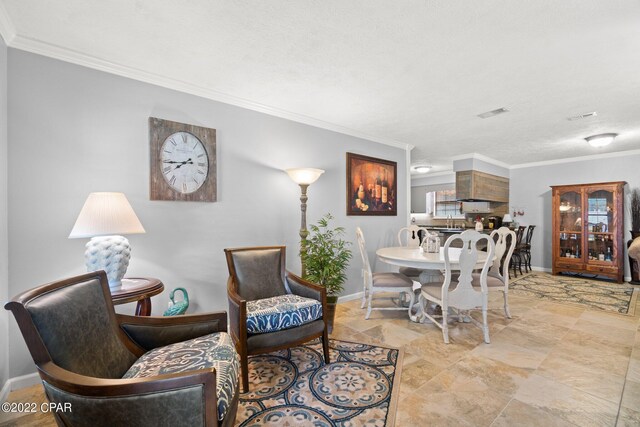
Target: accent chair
271, 308
116, 369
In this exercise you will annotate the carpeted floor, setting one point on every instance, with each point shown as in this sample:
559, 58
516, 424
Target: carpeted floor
295, 387
594, 294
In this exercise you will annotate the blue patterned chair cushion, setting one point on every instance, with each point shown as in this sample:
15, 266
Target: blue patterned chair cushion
209, 351
281, 312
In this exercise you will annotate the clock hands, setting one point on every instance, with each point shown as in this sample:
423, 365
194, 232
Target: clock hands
180, 164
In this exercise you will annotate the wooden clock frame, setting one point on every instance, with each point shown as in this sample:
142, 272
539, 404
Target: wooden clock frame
159, 189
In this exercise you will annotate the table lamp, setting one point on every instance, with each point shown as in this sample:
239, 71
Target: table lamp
105, 217
304, 177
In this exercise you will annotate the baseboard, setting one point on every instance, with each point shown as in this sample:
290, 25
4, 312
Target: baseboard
350, 297
4, 393
544, 270
17, 383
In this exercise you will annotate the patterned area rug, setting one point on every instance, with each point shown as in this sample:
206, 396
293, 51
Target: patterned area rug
295, 388
594, 294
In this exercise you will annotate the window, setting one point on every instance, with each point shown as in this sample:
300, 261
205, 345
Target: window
445, 204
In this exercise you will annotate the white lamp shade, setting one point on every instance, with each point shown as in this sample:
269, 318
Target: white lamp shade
305, 176
106, 214
507, 218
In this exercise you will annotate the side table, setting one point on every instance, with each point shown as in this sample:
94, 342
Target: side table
139, 289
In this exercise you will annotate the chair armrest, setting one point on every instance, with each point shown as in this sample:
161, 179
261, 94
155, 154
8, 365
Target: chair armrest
157, 400
237, 314
304, 288
150, 332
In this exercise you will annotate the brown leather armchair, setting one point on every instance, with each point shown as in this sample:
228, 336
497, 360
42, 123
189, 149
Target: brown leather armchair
118, 370
258, 287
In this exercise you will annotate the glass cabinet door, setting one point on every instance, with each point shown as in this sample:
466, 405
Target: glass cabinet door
600, 227
570, 224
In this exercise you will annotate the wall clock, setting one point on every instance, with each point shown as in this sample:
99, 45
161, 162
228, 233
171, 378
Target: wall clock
183, 161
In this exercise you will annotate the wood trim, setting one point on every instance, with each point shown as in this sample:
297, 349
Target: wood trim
186, 319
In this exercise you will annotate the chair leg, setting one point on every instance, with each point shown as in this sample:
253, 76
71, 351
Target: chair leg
445, 325
364, 298
325, 346
485, 324
520, 263
244, 366
507, 313
369, 306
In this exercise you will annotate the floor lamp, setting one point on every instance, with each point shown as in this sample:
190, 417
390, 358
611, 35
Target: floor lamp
304, 177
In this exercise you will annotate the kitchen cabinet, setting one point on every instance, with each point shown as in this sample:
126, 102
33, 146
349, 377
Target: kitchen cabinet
479, 186
588, 222
419, 199
476, 207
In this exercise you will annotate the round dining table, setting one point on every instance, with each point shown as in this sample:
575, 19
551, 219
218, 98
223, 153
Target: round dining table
432, 264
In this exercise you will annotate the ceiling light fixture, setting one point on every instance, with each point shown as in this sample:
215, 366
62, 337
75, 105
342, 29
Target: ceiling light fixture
421, 168
493, 113
582, 116
601, 140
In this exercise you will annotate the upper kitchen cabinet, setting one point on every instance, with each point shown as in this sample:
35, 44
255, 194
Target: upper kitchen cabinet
419, 199
479, 186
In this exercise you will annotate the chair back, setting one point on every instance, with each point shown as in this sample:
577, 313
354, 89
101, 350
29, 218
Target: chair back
519, 234
257, 272
366, 267
505, 242
529, 236
410, 236
72, 323
463, 295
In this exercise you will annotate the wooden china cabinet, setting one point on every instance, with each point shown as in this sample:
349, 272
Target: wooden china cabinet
588, 222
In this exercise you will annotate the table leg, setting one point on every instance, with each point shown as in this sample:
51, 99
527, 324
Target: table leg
144, 307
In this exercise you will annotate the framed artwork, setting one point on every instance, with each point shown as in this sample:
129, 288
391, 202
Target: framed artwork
371, 186
183, 161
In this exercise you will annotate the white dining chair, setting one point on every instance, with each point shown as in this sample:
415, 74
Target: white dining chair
497, 278
382, 282
460, 294
410, 237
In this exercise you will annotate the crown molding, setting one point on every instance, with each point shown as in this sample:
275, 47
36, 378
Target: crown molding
429, 175
68, 55
7, 29
577, 159
483, 158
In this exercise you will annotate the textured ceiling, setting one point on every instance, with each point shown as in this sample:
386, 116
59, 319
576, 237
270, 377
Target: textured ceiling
414, 72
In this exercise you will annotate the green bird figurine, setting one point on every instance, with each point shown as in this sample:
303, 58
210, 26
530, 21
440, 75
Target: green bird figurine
176, 308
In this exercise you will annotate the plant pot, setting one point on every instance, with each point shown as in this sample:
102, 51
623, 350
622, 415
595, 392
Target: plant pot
332, 301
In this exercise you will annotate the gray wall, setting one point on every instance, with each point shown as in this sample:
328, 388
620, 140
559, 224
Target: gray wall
4, 248
74, 130
529, 189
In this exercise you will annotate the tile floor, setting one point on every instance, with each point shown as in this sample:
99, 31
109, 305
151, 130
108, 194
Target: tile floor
550, 365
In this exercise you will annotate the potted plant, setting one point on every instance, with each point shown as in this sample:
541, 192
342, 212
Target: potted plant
326, 261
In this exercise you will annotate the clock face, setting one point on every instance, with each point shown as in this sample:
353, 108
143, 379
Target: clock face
184, 162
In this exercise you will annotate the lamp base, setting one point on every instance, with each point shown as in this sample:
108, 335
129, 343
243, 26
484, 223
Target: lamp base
111, 254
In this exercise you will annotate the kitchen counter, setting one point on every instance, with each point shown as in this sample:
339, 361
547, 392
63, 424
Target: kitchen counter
445, 230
